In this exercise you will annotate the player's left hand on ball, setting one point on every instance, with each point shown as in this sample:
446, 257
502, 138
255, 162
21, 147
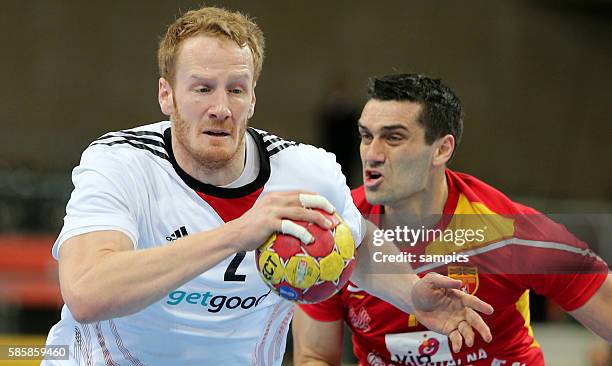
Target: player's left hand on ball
310, 201
276, 212
442, 307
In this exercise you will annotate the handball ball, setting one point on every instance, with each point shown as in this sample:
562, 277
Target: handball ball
308, 273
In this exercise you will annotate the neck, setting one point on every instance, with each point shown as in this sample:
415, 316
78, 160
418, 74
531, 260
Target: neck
213, 173
424, 204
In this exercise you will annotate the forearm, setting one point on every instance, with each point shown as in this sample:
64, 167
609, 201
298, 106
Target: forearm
392, 283
305, 361
600, 324
316, 343
595, 314
123, 282
310, 359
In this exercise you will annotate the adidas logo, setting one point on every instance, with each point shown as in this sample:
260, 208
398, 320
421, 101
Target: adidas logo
177, 234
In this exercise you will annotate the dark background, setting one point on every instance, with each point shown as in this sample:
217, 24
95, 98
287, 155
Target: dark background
534, 77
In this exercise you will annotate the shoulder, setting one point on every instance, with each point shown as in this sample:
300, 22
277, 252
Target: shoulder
278, 147
124, 156
477, 191
143, 142
293, 159
271, 143
528, 223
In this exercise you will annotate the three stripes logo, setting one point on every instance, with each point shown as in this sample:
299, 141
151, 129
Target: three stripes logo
150, 141
273, 143
177, 234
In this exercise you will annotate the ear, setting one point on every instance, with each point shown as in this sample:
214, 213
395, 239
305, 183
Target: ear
444, 150
253, 101
165, 97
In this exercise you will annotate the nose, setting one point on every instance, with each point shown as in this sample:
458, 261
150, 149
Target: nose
373, 154
219, 109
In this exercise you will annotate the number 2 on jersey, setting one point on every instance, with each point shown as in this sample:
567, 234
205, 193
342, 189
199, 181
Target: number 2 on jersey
230, 272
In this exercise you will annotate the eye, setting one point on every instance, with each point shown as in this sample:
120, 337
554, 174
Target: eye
366, 138
203, 89
236, 91
394, 138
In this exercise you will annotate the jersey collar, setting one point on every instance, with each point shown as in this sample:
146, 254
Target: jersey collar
209, 189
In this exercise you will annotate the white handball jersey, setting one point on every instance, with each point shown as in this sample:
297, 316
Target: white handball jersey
129, 181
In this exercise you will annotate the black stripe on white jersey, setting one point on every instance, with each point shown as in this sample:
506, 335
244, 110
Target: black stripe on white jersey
136, 145
150, 143
137, 139
273, 143
280, 147
150, 136
270, 139
143, 133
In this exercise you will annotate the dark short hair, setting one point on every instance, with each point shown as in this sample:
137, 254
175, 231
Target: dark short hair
441, 112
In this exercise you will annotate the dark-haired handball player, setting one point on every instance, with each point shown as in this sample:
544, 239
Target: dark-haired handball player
156, 255
409, 130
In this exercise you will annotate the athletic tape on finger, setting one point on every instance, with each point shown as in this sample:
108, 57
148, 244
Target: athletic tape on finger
316, 201
291, 228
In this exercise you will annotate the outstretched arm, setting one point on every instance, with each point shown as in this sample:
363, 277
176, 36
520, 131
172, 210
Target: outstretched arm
595, 313
391, 282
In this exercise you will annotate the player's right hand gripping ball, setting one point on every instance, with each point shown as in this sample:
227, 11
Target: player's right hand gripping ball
308, 273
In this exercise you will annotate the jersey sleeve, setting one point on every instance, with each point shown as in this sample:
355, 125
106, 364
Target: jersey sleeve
560, 266
334, 188
104, 197
345, 205
353, 217
325, 311
570, 291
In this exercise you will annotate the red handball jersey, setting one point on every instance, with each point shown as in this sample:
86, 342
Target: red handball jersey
518, 250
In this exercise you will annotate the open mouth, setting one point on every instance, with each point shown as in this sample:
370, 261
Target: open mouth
373, 175
372, 178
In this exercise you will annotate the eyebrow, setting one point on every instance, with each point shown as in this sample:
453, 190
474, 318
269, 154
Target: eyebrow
197, 77
200, 77
387, 128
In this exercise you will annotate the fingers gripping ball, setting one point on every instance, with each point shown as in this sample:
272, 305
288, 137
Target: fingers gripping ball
308, 273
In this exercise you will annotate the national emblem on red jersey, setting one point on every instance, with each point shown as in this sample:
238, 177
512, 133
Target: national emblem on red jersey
467, 275
308, 273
